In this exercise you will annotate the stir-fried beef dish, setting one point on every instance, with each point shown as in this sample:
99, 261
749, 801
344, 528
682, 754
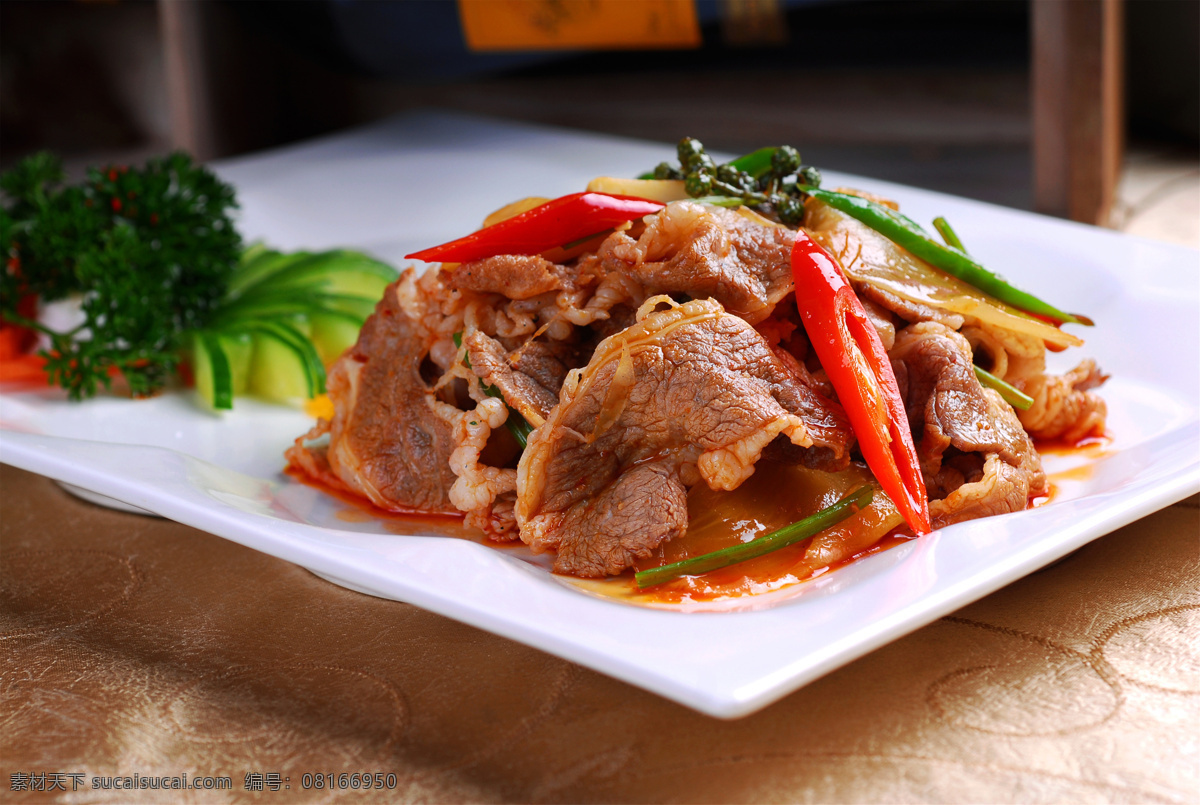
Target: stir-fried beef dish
571, 398
688, 394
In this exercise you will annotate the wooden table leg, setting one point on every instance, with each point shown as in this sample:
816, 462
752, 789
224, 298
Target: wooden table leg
1078, 106
182, 28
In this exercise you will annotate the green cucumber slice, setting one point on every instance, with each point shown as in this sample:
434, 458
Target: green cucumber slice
363, 284
210, 364
285, 366
239, 348
297, 325
260, 264
220, 364
355, 306
341, 271
276, 372
290, 303
236, 313
333, 332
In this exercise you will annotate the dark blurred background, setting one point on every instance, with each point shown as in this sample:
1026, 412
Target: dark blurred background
1003, 100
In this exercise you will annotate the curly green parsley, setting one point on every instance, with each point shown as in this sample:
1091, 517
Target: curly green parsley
149, 253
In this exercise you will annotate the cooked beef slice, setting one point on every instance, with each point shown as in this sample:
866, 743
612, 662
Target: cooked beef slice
491, 363
547, 362
708, 253
825, 420
387, 441
1064, 406
882, 319
999, 488
948, 408
905, 309
512, 275
498, 521
643, 506
685, 394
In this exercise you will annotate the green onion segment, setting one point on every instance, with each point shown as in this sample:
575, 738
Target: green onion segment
1011, 394
517, 425
948, 234
849, 505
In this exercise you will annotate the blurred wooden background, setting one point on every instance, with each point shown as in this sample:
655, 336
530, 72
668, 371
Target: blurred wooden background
1024, 104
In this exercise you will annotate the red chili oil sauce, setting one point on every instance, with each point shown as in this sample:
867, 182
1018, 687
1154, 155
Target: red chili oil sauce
361, 510
761, 508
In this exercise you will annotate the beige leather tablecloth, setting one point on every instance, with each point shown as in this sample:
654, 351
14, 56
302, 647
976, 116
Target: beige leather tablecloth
132, 645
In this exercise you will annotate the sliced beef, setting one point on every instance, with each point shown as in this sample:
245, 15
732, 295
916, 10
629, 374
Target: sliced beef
882, 319
620, 316
387, 440
511, 275
547, 362
708, 253
497, 521
643, 506
998, 488
1064, 406
945, 402
947, 408
524, 393
825, 420
906, 309
684, 394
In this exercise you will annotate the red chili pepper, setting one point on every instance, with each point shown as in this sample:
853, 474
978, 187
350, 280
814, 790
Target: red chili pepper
17, 365
24, 369
12, 342
555, 223
16, 341
851, 353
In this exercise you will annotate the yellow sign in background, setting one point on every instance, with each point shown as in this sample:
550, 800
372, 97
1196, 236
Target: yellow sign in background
491, 25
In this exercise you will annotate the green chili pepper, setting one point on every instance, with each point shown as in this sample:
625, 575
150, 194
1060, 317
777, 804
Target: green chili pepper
756, 163
851, 504
907, 234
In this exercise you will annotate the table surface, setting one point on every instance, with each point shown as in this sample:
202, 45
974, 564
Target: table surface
134, 644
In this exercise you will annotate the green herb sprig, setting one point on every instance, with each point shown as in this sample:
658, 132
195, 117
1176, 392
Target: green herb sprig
769, 180
149, 252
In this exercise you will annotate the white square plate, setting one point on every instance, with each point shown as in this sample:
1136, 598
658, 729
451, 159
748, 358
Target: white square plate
423, 179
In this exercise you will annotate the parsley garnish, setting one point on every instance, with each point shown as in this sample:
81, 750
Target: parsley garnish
149, 252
